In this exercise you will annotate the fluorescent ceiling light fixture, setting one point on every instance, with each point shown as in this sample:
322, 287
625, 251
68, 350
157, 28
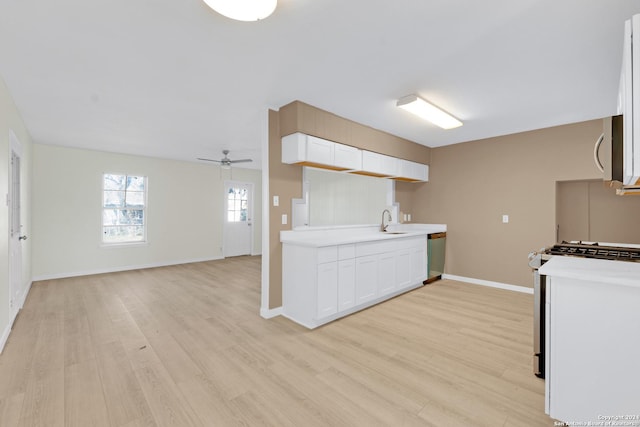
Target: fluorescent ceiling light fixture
243, 10
421, 108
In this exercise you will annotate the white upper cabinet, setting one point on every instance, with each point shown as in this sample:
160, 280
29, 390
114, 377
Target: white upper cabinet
347, 157
412, 171
629, 101
375, 164
308, 150
319, 150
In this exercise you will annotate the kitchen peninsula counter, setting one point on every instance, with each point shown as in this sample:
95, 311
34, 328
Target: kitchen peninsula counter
329, 236
328, 273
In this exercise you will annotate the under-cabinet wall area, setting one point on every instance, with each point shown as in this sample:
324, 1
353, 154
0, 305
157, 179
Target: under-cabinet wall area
590, 210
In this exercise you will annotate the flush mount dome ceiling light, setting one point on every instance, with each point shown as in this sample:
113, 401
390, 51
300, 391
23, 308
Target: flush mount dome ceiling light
243, 10
421, 108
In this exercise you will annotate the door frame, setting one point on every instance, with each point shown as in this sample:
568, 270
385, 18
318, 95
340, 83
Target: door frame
250, 200
15, 274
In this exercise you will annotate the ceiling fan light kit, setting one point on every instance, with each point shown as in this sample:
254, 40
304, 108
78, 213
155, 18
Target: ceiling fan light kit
427, 111
243, 10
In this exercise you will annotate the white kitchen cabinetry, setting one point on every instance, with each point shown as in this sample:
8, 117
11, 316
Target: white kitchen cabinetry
412, 171
366, 278
347, 157
309, 150
375, 164
629, 101
592, 345
346, 284
327, 289
321, 284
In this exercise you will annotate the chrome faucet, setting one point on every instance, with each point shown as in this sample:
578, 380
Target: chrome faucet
382, 226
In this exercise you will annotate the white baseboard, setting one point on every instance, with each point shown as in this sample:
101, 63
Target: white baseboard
23, 297
19, 303
489, 283
116, 269
5, 336
269, 313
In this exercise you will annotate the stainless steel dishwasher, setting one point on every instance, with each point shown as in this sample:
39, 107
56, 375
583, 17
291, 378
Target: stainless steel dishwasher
435, 256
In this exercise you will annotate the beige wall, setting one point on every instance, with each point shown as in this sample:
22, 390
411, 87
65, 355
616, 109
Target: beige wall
184, 217
10, 119
591, 211
473, 184
285, 181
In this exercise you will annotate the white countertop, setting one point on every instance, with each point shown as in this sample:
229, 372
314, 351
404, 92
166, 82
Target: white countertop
345, 235
594, 270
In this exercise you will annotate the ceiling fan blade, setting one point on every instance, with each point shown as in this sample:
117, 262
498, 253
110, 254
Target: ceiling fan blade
241, 161
209, 160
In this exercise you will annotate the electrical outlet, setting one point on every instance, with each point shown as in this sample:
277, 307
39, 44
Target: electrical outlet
284, 219
505, 219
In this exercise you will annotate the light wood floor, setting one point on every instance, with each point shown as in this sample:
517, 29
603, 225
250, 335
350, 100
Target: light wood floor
185, 345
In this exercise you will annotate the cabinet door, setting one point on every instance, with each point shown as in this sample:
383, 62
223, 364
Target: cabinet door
346, 284
366, 278
419, 264
386, 273
319, 150
327, 289
347, 157
404, 272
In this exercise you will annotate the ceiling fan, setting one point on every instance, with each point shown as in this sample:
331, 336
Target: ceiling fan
226, 161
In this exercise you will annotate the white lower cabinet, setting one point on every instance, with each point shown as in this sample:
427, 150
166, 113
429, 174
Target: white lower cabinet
327, 295
321, 284
403, 268
366, 278
346, 284
419, 263
386, 273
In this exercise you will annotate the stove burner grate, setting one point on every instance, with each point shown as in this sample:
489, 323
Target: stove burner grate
595, 251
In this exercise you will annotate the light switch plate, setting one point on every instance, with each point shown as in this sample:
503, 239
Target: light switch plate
505, 219
276, 201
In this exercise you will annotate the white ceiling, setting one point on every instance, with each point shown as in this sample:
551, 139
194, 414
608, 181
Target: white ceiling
173, 79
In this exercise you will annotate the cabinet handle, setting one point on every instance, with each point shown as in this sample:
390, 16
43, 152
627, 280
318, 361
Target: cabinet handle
596, 153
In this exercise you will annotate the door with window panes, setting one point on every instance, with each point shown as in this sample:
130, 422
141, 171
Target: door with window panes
238, 213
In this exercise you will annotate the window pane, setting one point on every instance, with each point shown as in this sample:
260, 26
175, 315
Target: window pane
135, 183
114, 182
135, 198
113, 199
109, 217
118, 234
243, 215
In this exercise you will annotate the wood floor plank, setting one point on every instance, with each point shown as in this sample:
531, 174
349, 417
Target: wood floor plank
84, 403
185, 345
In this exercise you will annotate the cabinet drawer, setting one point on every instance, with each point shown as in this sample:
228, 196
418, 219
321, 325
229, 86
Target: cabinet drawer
346, 251
412, 242
372, 248
327, 254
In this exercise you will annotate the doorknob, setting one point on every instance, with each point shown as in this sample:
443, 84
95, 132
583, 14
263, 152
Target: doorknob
22, 238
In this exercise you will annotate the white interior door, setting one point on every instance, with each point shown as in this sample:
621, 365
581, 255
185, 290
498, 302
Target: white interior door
238, 218
15, 227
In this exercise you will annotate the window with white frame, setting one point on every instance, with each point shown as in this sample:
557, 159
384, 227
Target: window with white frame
237, 204
124, 200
